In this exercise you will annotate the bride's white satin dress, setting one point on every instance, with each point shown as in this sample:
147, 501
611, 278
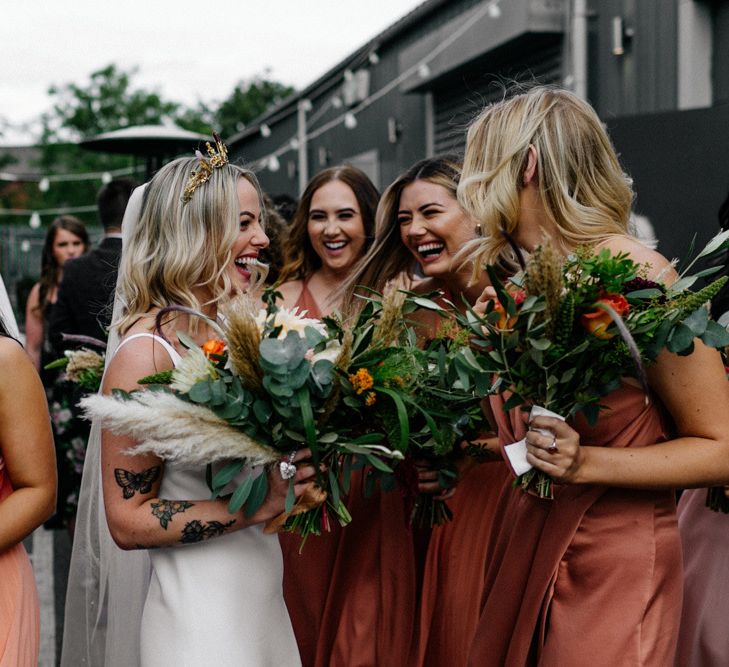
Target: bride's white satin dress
218, 602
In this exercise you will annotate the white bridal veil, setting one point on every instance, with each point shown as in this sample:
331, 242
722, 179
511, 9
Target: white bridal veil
6, 312
107, 587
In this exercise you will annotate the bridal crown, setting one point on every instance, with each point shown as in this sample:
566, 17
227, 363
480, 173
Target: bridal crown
217, 158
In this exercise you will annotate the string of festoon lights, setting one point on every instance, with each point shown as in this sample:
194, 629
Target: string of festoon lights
348, 118
44, 184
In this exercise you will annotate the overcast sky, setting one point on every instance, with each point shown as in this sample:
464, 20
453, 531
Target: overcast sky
187, 50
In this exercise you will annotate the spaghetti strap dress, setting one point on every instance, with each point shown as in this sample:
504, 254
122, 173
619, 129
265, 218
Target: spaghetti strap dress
216, 603
593, 576
19, 612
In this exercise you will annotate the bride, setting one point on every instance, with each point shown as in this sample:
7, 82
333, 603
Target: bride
210, 591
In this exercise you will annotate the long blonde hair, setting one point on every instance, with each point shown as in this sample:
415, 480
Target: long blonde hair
179, 247
585, 193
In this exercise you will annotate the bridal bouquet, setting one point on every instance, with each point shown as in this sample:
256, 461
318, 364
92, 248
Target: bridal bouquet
261, 391
561, 335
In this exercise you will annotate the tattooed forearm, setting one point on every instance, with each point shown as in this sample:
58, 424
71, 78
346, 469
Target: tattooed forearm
146, 546
131, 482
164, 509
197, 531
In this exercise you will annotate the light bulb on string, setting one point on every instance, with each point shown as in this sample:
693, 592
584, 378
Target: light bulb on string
306, 105
294, 143
350, 120
348, 76
494, 10
423, 70
273, 164
35, 220
25, 245
44, 184
265, 131
337, 102
106, 178
373, 58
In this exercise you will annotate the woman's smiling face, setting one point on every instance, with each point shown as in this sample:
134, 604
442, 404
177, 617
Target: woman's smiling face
433, 226
251, 236
335, 226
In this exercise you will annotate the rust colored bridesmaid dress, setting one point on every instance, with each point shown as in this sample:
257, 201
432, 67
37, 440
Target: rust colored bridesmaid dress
453, 581
593, 577
351, 593
19, 614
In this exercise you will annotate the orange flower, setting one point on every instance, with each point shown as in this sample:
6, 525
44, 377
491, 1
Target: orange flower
213, 346
505, 322
361, 380
371, 399
598, 321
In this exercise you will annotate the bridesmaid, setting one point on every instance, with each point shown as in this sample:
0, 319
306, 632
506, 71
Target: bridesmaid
331, 230
419, 223
350, 593
595, 574
27, 498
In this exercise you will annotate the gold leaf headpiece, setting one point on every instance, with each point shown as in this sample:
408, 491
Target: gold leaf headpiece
217, 158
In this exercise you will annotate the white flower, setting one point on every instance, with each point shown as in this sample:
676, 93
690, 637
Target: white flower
290, 320
193, 368
330, 352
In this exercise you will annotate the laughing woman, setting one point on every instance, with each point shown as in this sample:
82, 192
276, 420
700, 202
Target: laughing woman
351, 593
419, 222
211, 591
594, 575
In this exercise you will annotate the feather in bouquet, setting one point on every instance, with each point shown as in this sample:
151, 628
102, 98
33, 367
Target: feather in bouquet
412, 399
244, 401
562, 335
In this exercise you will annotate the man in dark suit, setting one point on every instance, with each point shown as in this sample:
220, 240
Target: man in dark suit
85, 298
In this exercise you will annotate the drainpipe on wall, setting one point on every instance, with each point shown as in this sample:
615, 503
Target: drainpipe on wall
579, 47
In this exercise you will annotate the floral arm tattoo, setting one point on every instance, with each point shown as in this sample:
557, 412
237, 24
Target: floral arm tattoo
197, 531
131, 482
164, 509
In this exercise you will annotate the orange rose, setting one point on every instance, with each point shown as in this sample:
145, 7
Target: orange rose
598, 321
213, 346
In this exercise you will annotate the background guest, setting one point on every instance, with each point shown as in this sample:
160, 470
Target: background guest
65, 239
84, 295
277, 230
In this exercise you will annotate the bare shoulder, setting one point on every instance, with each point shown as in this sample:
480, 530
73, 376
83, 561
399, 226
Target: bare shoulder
134, 360
34, 296
659, 268
14, 356
290, 291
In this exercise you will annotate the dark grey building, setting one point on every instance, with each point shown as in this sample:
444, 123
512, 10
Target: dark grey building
657, 71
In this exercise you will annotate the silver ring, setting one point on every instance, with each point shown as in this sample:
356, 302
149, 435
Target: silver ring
288, 468
553, 449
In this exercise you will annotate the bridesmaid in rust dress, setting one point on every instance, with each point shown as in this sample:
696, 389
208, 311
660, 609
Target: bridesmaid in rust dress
419, 223
27, 498
350, 593
593, 576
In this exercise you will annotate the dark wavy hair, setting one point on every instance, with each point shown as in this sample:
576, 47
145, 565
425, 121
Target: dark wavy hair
300, 258
50, 269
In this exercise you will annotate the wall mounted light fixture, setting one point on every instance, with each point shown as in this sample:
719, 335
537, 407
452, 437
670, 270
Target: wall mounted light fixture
621, 36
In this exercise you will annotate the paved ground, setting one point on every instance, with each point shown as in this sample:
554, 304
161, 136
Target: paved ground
50, 552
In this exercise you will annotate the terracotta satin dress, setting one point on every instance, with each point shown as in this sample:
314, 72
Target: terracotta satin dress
455, 566
593, 577
704, 637
19, 614
351, 594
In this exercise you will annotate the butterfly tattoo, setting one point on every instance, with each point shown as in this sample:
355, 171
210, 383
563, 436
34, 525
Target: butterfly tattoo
131, 482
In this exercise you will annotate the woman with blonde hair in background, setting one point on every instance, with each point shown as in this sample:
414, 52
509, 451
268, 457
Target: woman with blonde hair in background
420, 223
206, 587
593, 575
27, 498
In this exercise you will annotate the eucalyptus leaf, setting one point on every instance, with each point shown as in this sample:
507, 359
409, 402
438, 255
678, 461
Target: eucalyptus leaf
697, 321
290, 497
262, 410
429, 304
258, 495
715, 336
683, 284
225, 475
240, 495
680, 339
200, 392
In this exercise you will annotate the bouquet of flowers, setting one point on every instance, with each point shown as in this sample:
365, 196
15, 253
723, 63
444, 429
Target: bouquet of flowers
419, 401
83, 367
261, 391
561, 335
